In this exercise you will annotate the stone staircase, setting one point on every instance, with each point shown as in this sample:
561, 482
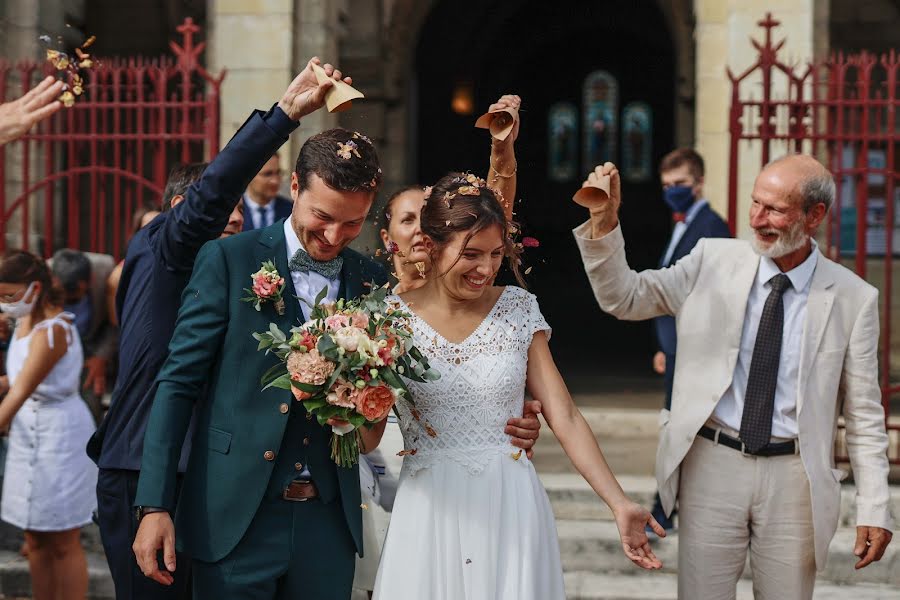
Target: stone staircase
595, 568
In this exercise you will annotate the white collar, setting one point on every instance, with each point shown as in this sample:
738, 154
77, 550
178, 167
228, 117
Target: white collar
290, 237
693, 210
257, 205
800, 276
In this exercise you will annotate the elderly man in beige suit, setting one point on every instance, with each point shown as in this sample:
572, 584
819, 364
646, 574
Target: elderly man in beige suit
774, 342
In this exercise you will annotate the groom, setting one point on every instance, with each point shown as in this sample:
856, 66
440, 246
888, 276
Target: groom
264, 512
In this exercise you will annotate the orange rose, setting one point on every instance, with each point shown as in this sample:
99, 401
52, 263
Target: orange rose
374, 403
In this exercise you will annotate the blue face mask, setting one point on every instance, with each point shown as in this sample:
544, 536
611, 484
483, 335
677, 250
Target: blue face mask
679, 198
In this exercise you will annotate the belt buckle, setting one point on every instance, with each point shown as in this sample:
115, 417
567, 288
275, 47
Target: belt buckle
284, 493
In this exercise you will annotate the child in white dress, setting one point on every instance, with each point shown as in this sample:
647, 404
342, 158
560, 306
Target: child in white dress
49, 482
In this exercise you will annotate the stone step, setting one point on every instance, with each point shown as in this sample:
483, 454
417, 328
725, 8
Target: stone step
664, 586
573, 498
594, 547
15, 579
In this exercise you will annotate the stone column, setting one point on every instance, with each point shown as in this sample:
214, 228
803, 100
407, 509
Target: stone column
252, 39
723, 32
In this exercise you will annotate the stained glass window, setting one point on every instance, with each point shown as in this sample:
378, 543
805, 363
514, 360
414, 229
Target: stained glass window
637, 135
600, 92
562, 124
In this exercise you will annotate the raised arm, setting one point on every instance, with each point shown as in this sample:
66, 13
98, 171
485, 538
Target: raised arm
17, 117
203, 214
621, 291
574, 434
503, 167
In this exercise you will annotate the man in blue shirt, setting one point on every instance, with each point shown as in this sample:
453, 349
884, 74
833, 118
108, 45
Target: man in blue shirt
262, 204
681, 174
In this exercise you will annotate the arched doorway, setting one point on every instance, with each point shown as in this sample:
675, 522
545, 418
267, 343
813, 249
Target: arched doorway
620, 56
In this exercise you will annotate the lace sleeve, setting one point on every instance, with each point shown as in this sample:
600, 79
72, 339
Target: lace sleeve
533, 320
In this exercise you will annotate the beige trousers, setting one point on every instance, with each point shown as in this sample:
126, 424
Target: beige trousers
729, 503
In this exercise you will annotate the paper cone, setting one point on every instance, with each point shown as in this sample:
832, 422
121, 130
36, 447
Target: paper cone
500, 122
590, 196
341, 95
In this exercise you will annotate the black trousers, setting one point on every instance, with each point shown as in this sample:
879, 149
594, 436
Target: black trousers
116, 490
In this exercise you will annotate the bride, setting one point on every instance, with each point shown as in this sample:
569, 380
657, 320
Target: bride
471, 520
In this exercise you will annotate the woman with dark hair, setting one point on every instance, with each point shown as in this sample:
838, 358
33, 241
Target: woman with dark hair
402, 237
48, 485
471, 520
401, 232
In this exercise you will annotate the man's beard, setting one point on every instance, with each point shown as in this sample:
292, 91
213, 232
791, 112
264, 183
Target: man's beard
788, 241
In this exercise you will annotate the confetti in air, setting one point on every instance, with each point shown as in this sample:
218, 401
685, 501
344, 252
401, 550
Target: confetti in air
70, 67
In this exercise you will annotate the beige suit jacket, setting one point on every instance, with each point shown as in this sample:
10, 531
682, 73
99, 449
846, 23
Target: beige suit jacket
707, 293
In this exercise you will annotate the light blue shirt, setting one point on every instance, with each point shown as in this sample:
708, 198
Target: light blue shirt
262, 216
307, 284
730, 409
681, 227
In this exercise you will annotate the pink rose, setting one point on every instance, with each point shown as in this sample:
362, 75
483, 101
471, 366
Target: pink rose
374, 403
341, 394
359, 319
335, 322
310, 368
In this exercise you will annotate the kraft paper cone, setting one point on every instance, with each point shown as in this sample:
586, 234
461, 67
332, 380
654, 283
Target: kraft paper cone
500, 122
341, 95
589, 196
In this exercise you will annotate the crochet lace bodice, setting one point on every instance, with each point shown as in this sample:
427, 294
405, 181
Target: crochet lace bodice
462, 415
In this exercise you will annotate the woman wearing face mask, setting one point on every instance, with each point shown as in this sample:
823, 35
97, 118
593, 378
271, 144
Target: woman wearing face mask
48, 487
471, 519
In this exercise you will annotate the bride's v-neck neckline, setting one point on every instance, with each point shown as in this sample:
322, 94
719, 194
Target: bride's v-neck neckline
483, 324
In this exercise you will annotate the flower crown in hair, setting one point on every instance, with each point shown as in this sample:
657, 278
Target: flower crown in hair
345, 150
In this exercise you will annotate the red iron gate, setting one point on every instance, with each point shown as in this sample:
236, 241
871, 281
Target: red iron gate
844, 111
77, 179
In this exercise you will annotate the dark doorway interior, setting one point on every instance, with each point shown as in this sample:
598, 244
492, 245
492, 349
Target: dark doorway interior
543, 51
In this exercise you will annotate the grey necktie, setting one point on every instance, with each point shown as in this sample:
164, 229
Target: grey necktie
759, 401
329, 269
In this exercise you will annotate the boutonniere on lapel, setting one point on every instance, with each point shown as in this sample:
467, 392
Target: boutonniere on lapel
268, 286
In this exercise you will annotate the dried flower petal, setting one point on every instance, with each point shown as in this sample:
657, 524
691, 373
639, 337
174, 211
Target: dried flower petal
67, 99
516, 455
405, 452
87, 43
528, 270
530, 242
420, 267
430, 431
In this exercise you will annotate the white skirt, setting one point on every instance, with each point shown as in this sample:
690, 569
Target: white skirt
49, 483
458, 536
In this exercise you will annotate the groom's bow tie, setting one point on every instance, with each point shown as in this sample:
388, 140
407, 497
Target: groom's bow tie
329, 269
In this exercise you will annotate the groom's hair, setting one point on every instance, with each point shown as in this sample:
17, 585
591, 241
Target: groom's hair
345, 160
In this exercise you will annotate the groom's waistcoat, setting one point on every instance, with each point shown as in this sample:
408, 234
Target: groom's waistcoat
243, 433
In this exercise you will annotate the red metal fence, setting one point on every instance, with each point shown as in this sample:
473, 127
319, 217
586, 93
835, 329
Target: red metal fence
844, 111
76, 180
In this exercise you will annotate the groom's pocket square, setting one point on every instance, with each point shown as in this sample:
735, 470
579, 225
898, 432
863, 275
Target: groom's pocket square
219, 440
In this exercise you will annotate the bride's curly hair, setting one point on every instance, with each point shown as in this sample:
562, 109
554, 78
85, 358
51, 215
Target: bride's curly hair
449, 211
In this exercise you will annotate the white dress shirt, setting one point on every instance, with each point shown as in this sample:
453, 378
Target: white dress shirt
308, 284
681, 227
730, 409
262, 216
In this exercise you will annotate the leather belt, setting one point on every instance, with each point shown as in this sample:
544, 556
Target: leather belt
300, 491
771, 449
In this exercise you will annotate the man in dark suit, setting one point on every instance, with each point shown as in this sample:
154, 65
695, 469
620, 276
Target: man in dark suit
157, 268
681, 173
262, 204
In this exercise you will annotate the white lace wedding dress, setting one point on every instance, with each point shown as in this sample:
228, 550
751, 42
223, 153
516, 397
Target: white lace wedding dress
471, 520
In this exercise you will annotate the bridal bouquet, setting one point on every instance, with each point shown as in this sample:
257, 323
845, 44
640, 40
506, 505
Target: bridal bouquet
345, 362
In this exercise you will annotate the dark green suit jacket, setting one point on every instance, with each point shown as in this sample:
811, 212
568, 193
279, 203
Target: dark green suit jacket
213, 359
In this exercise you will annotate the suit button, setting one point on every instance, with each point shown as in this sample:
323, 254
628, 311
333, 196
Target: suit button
269, 455
298, 466
284, 408
306, 441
